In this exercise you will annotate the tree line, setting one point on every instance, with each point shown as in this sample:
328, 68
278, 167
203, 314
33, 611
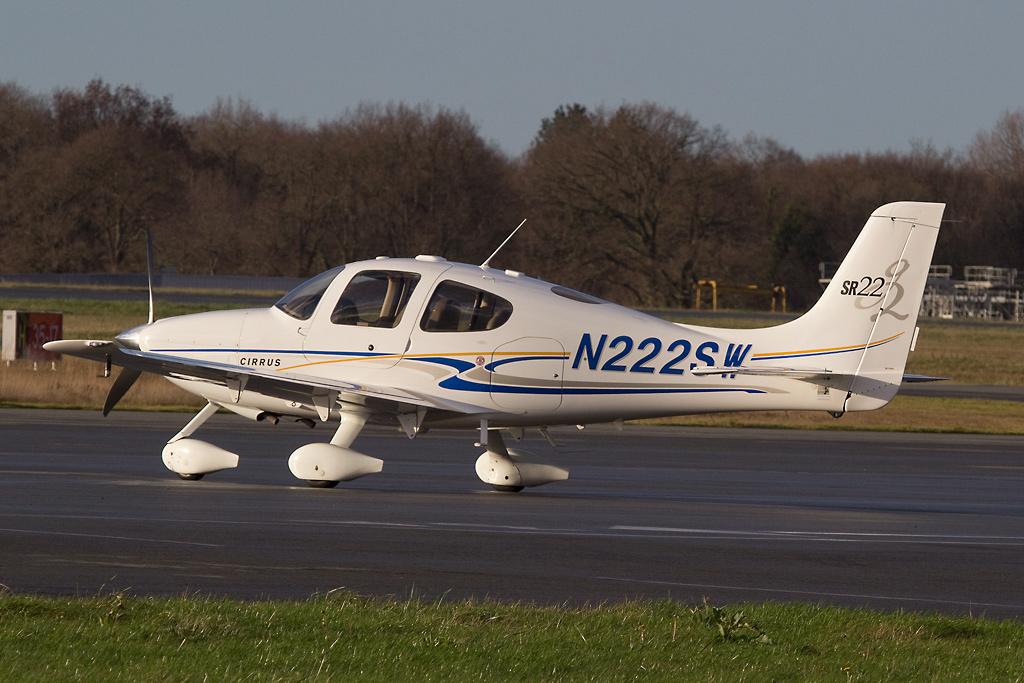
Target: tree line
634, 203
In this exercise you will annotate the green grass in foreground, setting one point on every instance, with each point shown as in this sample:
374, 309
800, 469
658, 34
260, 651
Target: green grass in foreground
345, 637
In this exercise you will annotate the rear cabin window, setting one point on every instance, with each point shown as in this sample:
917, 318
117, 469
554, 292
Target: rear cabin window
301, 301
455, 307
375, 298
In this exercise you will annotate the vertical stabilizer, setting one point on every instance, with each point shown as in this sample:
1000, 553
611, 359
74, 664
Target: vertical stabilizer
864, 323
894, 317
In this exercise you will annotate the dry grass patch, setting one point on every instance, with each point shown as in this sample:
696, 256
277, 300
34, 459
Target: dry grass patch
75, 382
971, 354
78, 383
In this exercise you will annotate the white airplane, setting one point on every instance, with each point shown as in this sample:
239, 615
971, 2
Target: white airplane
423, 343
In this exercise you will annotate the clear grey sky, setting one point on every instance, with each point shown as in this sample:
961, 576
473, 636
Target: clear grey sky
820, 77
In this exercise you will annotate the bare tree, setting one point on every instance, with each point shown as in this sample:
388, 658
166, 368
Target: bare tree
25, 124
999, 156
1001, 150
636, 192
99, 106
25, 132
114, 187
107, 172
425, 182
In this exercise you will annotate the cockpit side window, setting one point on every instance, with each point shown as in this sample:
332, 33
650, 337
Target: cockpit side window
455, 307
301, 301
375, 298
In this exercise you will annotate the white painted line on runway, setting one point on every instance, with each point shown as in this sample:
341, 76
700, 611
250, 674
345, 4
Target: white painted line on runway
36, 532
994, 467
467, 525
833, 535
676, 532
390, 525
616, 531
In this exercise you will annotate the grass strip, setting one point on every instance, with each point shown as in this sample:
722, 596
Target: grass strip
343, 636
903, 414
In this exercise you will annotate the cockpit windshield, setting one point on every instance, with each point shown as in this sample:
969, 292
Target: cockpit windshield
301, 301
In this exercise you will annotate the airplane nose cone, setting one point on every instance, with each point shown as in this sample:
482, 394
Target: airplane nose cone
130, 338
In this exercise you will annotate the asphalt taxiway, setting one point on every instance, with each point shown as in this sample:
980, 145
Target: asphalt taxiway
893, 521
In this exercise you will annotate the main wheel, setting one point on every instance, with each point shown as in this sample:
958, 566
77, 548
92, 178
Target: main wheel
322, 483
507, 489
191, 477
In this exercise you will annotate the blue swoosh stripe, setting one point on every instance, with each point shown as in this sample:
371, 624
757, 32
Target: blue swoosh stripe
462, 384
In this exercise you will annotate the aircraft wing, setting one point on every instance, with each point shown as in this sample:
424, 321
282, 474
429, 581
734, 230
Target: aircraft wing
306, 389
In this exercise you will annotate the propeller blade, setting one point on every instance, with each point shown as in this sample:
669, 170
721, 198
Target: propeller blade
149, 271
121, 386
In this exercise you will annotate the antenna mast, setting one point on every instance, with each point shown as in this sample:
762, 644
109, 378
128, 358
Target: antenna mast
487, 263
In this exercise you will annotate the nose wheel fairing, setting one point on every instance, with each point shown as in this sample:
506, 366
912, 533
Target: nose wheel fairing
191, 458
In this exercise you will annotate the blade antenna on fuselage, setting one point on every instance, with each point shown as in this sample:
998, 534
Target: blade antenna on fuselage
487, 263
149, 271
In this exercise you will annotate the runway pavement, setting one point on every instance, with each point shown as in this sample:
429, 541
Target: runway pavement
893, 521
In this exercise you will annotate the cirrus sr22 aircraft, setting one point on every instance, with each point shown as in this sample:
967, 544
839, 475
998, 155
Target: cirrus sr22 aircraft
423, 343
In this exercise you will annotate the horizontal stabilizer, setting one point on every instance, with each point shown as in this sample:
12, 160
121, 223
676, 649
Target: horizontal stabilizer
914, 379
810, 374
807, 374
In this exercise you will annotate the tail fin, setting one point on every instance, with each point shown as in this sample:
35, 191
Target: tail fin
864, 324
